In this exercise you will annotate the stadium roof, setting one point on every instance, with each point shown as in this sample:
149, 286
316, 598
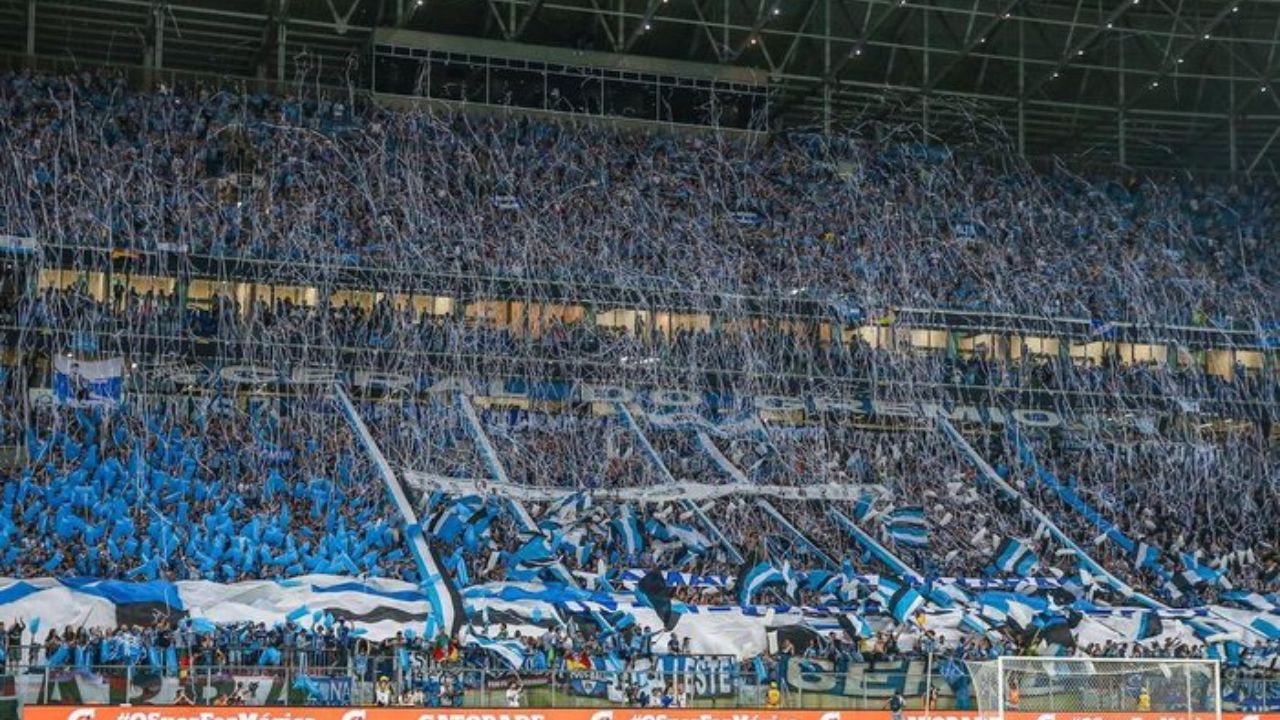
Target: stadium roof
1147, 83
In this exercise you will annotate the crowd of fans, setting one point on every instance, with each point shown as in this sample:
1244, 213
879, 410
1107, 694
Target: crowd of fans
1183, 508
390, 338
164, 488
195, 489
104, 163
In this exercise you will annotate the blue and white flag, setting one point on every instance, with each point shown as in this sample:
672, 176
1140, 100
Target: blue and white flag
898, 598
854, 626
756, 579
1004, 608
510, 652
1266, 625
907, 527
1014, 557
1202, 574
82, 383
628, 531
1102, 328
1145, 556
1251, 600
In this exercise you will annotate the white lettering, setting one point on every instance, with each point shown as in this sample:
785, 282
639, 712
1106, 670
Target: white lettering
894, 409
452, 384
837, 405
249, 375
313, 376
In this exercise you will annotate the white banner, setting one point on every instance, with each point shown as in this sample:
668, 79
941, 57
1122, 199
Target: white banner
82, 383
670, 492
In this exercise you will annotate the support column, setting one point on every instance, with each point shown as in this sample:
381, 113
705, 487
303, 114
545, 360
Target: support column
1121, 131
282, 33
31, 27
1233, 160
924, 101
826, 68
1022, 84
158, 46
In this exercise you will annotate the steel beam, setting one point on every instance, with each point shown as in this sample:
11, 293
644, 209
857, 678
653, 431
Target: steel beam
1168, 66
31, 27
972, 43
642, 27
1076, 49
528, 17
831, 75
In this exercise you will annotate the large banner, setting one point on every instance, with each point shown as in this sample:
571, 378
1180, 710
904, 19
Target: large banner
315, 713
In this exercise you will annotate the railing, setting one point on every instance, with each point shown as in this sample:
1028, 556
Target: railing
615, 293
873, 383
455, 685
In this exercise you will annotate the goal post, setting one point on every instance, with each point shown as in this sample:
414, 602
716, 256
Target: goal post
1075, 688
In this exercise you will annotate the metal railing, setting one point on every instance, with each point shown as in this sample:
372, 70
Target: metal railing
876, 382
656, 293
458, 685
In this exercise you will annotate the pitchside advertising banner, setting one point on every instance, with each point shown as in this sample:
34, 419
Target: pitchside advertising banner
310, 713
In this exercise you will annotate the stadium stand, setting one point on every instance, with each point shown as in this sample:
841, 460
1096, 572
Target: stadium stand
770, 470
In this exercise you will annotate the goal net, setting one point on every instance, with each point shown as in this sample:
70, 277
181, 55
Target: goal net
1079, 688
